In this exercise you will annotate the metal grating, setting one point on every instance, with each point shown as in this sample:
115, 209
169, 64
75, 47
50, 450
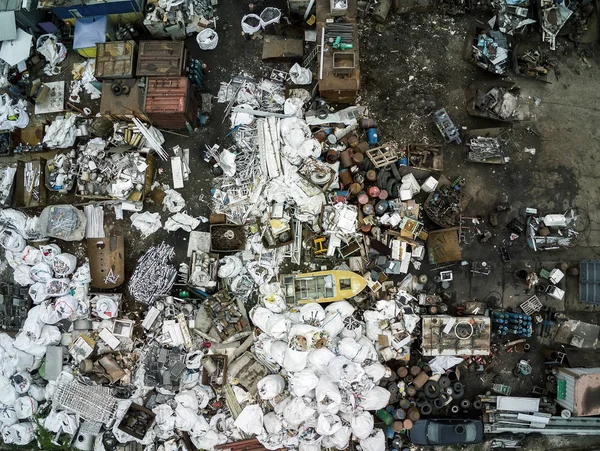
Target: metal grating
589, 282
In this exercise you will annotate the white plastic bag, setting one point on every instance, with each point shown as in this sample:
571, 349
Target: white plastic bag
106, 308
250, 420
270, 386
300, 75
8, 416
260, 316
302, 382
278, 350
328, 424
8, 394
297, 411
272, 423
374, 442
185, 418
12, 241
344, 308
64, 264
22, 382
251, 23
37, 392
270, 16
344, 371
31, 256
312, 313
37, 292
207, 39
375, 371
318, 359
340, 440
294, 361
333, 324
21, 275
25, 407
277, 326
41, 272
362, 424
328, 396
375, 399
56, 421
19, 434
57, 287
49, 251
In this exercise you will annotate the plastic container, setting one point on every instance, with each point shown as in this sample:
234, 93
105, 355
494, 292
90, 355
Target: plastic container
372, 136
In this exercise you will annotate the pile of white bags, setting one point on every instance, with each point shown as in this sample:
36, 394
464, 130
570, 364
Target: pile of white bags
331, 380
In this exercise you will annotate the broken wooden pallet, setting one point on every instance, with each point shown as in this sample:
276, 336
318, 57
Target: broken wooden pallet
384, 155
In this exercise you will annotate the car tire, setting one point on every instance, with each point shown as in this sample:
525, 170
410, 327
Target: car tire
477, 405
445, 382
458, 390
465, 404
438, 403
426, 409
431, 389
454, 409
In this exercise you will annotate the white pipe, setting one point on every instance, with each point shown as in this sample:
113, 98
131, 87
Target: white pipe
307, 12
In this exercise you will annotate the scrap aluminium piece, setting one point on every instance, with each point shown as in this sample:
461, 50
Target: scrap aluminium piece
513, 17
499, 101
553, 16
154, 274
531, 63
487, 145
445, 204
446, 127
490, 51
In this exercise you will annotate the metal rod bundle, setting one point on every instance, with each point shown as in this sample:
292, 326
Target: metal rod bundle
154, 274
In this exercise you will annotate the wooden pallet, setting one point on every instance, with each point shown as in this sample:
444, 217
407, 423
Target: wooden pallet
383, 155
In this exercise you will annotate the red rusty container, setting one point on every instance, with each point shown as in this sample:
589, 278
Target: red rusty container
170, 102
373, 191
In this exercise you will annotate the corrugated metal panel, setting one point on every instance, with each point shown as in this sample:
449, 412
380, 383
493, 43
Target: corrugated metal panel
8, 26
589, 282
582, 395
161, 59
569, 401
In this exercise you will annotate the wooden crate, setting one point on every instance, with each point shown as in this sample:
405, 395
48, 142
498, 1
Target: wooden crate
161, 59
115, 59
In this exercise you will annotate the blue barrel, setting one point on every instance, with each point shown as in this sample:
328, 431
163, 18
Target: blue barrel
399, 414
403, 161
389, 432
372, 136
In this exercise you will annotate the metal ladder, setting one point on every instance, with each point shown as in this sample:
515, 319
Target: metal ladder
311, 56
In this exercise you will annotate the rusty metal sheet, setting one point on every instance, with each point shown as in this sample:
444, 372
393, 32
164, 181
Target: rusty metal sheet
107, 256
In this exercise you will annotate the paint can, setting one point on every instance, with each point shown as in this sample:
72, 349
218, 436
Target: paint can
381, 207
332, 156
363, 198
367, 122
346, 177
383, 194
371, 175
358, 158
346, 158
373, 191
367, 209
